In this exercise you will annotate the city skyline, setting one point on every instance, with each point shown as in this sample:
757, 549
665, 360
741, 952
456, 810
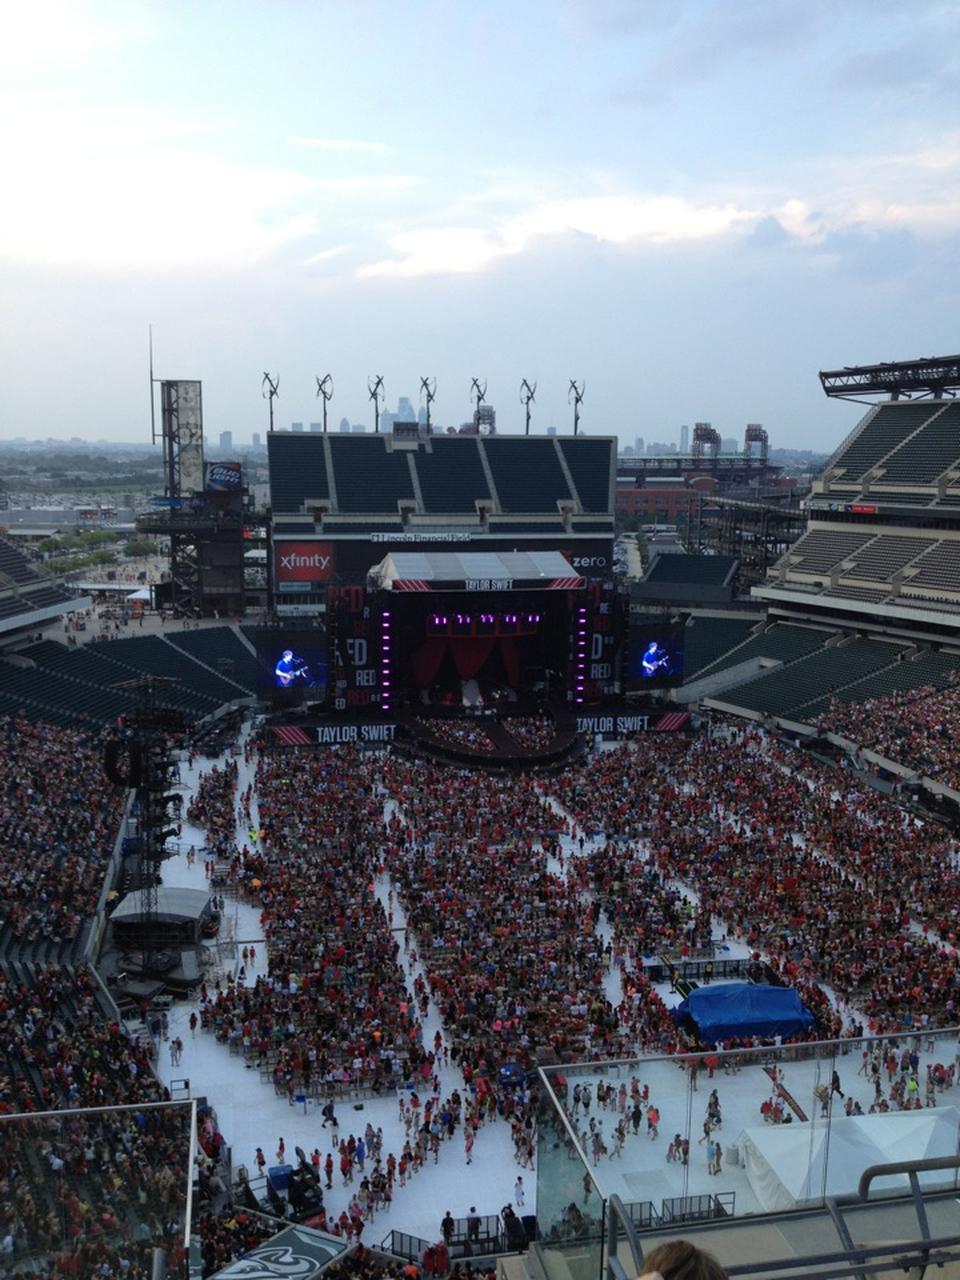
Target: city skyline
690, 208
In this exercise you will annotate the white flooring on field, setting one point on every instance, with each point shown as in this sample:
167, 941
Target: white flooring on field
251, 1115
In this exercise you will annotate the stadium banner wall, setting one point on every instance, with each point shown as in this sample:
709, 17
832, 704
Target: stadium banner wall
365, 733
375, 733
625, 722
351, 558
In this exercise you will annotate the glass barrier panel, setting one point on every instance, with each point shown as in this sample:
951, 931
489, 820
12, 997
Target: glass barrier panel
91, 1191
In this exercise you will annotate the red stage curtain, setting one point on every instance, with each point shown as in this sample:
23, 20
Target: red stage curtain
470, 653
510, 653
427, 659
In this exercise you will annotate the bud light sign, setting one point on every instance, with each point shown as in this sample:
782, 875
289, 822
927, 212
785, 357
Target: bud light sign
222, 477
303, 562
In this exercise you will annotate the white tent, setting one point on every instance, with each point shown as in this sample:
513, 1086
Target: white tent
785, 1163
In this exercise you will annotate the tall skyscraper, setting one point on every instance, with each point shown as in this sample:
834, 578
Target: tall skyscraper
296, 426
684, 439
316, 426
255, 440
405, 410
551, 431
226, 439
344, 426
638, 446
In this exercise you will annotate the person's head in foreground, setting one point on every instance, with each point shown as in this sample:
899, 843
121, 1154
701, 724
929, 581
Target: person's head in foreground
681, 1260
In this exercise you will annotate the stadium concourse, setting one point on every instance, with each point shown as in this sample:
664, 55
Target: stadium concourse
727, 839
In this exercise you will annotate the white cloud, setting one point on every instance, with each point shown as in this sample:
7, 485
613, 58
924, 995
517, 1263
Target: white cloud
88, 192
347, 184
55, 34
325, 255
619, 220
443, 251
341, 144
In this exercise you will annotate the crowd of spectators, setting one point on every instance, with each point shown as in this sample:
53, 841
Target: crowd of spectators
333, 1006
60, 1051
824, 879
463, 735
919, 728
675, 840
363, 1264
229, 1234
213, 807
58, 822
92, 1193
511, 954
533, 733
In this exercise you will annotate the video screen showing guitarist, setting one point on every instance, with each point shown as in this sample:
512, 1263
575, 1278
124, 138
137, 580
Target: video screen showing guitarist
655, 660
289, 669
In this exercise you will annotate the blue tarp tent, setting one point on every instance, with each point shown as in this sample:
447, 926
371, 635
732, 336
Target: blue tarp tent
727, 1009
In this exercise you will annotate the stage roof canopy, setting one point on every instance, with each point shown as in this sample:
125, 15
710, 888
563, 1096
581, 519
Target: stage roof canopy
173, 905
475, 571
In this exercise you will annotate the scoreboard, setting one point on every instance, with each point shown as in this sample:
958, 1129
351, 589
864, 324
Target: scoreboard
604, 640
354, 633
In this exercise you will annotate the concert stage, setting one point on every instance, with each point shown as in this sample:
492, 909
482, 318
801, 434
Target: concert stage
469, 633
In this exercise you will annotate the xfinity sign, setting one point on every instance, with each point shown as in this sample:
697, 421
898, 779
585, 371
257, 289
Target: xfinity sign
303, 561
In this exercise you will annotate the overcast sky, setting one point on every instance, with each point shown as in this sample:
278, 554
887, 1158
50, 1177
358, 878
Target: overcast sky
692, 205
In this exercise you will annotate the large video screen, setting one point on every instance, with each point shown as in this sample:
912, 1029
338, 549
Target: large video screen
292, 665
655, 656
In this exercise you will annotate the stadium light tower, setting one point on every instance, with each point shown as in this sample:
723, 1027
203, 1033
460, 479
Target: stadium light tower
428, 390
527, 393
325, 389
375, 390
481, 393
575, 397
270, 389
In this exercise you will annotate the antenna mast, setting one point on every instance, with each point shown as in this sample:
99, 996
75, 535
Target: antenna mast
153, 413
528, 392
270, 387
325, 389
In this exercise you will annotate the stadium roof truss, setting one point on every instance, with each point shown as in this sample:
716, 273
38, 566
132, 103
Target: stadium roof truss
933, 377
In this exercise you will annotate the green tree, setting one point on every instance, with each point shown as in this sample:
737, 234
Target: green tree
138, 550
